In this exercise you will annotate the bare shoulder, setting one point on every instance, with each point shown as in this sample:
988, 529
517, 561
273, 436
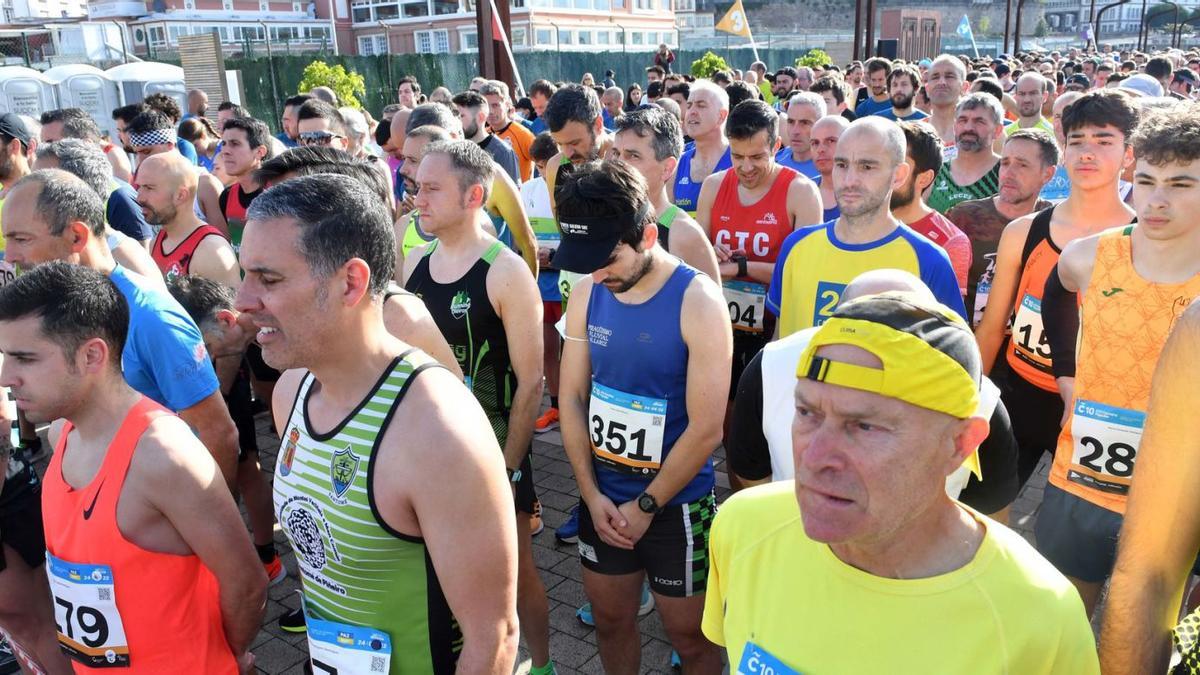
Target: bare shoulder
404, 307
714, 180
169, 452
803, 185
283, 397
439, 425
1017, 229
703, 295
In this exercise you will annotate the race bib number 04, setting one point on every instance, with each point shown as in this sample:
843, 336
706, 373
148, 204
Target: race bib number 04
341, 649
1106, 440
1029, 336
627, 429
758, 661
747, 304
85, 614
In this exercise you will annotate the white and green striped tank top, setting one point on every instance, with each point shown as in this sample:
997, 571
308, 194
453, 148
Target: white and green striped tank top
354, 568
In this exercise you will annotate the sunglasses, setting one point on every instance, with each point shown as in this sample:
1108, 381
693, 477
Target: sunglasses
317, 138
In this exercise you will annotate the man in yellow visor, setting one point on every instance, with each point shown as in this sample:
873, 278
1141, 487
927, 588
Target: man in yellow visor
862, 563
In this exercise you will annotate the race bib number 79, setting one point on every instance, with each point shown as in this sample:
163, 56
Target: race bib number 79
626, 429
85, 614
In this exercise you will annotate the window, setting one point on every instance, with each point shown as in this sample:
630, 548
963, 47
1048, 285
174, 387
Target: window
446, 7
582, 4
227, 5
603, 37
432, 41
639, 38
176, 31
468, 41
385, 12
602, 5
189, 4
518, 37
419, 8
564, 37
264, 6
296, 7
157, 35
585, 37
369, 45
544, 37
360, 14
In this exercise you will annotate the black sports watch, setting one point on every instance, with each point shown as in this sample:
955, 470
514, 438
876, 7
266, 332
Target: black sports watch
514, 475
741, 265
648, 504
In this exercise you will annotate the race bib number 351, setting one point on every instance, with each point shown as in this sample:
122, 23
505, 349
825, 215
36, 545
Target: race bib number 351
85, 614
626, 429
1106, 440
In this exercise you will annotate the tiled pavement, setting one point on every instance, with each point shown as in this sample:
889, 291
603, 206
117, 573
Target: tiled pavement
572, 644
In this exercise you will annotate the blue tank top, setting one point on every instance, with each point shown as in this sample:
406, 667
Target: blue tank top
687, 192
638, 405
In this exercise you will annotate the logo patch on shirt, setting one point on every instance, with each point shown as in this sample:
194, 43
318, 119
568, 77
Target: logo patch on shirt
289, 452
460, 305
343, 467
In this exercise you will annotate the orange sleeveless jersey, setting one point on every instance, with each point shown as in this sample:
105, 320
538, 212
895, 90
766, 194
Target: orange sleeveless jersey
759, 228
1028, 350
168, 604
1124, 325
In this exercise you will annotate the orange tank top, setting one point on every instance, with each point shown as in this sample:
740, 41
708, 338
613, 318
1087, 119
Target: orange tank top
1028, 351
1124, 325
115, 603
179, 261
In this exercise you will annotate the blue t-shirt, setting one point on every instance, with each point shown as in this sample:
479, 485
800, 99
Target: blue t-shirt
872, 107
890, 114
538, 125
123, 212
187, 150
286, 140
164, 356
807, 167
609, 122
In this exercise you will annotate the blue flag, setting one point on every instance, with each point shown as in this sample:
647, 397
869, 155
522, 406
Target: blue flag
964, 29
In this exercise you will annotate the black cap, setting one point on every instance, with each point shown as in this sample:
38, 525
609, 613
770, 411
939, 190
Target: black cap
1080, 79
1185, 75
13, 126
588, 242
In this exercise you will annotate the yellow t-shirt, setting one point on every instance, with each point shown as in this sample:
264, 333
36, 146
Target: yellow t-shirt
1006, 611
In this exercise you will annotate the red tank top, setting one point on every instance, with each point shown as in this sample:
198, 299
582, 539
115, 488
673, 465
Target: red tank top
167, 605
179, 261
759, 228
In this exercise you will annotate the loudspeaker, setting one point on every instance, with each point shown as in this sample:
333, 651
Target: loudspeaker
887, 49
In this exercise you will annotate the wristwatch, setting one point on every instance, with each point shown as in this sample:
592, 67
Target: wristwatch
514, 475
648, 504
741, 265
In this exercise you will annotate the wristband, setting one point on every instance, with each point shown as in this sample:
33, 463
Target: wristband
742, 264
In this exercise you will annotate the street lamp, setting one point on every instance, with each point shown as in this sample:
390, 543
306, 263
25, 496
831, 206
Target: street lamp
1096, 26
1144, 33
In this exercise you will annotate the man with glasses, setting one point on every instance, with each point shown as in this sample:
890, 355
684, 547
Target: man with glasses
319, 123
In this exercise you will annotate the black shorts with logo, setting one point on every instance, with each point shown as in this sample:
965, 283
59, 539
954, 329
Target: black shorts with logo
21, 518
673, 552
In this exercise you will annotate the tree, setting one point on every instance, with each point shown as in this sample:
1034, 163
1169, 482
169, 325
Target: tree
708, 64
985, 24
347, 85
815, 57
1163, 14
1042, 29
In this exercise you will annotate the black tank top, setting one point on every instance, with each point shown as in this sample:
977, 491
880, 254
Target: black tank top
463, 312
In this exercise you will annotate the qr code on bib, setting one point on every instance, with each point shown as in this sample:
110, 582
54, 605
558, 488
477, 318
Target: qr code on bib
656, 421
377, 664
104, 594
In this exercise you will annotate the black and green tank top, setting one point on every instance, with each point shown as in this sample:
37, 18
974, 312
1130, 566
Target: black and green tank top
664, 226
946, 194
464, 313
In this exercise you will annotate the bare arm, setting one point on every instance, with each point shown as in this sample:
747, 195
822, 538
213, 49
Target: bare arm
208, 193
133, 256
574, 390
704, 204
210, 418
406, 318
185, 485
465, 516
517, 300
120, 163
804, 203
215, 260
399, 227
505, 199
1161, 532
410, 263
690, 244
990, 332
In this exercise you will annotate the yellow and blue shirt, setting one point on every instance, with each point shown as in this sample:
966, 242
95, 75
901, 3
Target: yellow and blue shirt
814, 267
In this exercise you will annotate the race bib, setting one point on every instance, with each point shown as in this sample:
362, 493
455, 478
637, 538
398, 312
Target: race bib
1106, 440
545, 230
747, 304
85, 614
627, 429
1028, 335
758, 661
341, 649
8, 271
983, 288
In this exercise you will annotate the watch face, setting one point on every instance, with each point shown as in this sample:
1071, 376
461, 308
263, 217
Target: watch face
646, 503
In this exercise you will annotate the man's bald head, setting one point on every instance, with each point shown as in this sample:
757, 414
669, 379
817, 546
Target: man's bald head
832, 123
399, 126
883, 281
169, 171
885, 132
166, 189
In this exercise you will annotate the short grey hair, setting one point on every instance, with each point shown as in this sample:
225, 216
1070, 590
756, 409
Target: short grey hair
660, 126
710, 87
894, 142
495, 88
808, 98
430, 133
437, 115
339, 218
355, 123
64, 199
953, 61
981, 100
469, 163
81, 158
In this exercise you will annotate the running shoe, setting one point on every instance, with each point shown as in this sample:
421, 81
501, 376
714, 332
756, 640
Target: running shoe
276, 572
676, 663
292, 621
568, 532
536, 526
548, 421
584, 614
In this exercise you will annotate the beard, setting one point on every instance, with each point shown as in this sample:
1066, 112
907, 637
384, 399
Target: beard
623, 285
160, 216
868, 203
902, 102
469, 130
969, 142
904, 196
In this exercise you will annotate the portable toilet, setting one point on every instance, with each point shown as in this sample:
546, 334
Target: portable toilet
136, 81
80, 85
25, 91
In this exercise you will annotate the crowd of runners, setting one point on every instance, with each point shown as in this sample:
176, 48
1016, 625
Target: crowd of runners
888, 291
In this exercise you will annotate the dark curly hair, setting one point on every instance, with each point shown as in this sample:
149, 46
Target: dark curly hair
1168, 135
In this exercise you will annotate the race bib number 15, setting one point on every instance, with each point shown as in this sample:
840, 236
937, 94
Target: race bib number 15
85, 614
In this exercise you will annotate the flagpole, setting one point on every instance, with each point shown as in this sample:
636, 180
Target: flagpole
753, 44
508, 49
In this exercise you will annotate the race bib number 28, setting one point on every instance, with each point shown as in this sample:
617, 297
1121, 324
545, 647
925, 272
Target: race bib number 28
626, 429
85, 614
1106, 440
